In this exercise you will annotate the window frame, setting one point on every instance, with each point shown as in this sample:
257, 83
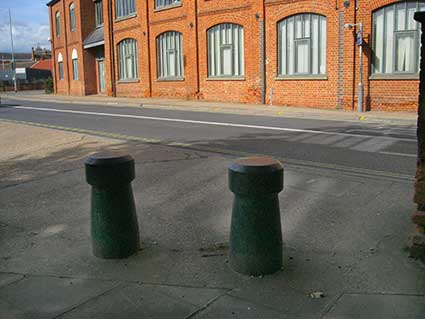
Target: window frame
74, 62
308, 38
58, 23
178, 56
72, 20
125, 4
216, 51
60, 70
377, 71
177, 3
123, 72
98, 13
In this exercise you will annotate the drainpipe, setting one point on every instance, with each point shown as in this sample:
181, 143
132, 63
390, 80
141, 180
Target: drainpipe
262, 22
111, 47
198, 85
66, 50
52, 42
148, 35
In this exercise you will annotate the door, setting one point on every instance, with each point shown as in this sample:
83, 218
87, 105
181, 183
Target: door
102, 76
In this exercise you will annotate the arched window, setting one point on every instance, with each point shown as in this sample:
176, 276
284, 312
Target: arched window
58, 23
124, 8
302, 45
127, 60
169, 55
60, 66
226, 50
396, 38
75, 64
72, 17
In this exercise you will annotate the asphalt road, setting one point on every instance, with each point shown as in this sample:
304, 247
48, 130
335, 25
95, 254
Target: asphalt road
354, 147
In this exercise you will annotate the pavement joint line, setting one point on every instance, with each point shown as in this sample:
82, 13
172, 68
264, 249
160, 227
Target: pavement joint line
327, 309
119, 281
14, 281
118, 286
291, 162
165, 119
206, 306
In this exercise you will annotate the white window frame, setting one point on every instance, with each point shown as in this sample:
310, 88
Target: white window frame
127, 60
162, 4
60, 67
72, 21
169, 48
125, 9
58, 23
75, 65
225, 46
393, 21
98, 6
310, 30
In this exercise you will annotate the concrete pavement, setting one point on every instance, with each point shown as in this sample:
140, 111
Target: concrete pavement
345, 237
222, 107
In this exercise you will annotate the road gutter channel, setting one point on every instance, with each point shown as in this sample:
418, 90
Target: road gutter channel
359, 172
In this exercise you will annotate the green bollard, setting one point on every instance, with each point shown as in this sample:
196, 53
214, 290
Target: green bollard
256, 235
114, 227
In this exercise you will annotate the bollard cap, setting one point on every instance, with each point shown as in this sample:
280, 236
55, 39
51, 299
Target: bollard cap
256, 175
109, 169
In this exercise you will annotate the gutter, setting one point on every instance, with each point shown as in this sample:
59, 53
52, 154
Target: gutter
111, 48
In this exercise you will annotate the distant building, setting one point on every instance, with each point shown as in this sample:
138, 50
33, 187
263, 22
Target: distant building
285, 52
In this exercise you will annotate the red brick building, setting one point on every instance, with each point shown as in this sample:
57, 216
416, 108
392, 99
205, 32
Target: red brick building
284, 52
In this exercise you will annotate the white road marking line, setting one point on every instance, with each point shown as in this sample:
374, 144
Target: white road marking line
399, 154
152, 118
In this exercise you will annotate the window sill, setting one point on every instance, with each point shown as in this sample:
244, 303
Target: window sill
133, 15
224, 78
172, 6
302, 78
394, 77
128, 81
170, 79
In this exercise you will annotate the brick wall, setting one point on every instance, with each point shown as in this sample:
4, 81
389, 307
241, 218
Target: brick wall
335, 89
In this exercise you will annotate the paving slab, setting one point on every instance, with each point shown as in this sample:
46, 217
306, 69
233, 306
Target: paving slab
145, 301
354, 306
47, 297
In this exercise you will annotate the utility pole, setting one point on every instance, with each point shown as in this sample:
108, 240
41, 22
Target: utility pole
13, 53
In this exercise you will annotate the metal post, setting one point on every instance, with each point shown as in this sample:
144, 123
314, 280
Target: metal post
361, 89
13, 53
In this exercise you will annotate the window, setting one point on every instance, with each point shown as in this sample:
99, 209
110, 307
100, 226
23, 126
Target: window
60, 66
302, 45
127, 60
58, 24
75, 64
226, 51
396, 39
124, 8
72, 16
166, 3
99, 13
169, 55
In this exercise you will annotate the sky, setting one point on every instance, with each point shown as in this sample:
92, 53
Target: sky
30, 21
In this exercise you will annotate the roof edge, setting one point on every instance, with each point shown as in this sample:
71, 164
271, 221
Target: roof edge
51, 2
